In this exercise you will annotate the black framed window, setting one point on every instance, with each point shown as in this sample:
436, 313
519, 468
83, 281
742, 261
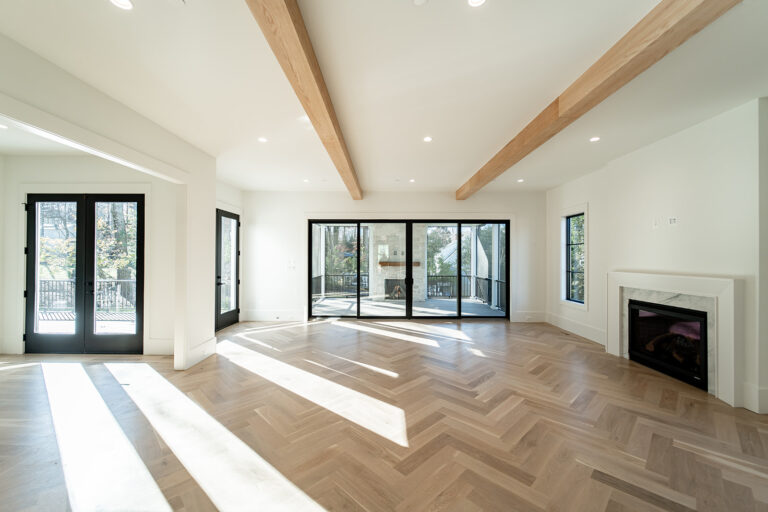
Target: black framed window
574, 258
399, 268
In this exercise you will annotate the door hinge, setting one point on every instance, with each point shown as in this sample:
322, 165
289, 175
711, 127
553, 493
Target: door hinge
238, 311
27, 206
25, 294
26, 250
24, 337
239, 224
238, 282
238, 253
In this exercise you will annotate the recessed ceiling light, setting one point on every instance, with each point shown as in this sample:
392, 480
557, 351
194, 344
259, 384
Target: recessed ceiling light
304, 118
126, 5
306, 180
262, 139
475, 3
427, 139
594, 139
3, 127
412, 180
520, 180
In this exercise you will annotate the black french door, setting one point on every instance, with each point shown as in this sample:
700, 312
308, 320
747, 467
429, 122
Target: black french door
408, 269
85, 274
227, 269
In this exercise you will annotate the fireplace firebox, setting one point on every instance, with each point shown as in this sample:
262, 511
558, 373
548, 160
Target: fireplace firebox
669, 339
394, 289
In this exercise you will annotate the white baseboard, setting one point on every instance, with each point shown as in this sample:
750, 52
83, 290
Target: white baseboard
754, 398
158, 347
271, 315
527, 316
583, 330
11, 346
197, 354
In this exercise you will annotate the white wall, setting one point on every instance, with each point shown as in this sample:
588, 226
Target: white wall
707, 178
2, 244
229, 198
275, 242
36, 93
88, 174
763, 271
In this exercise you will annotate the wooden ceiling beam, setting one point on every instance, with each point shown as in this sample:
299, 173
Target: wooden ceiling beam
667, 26
283, 26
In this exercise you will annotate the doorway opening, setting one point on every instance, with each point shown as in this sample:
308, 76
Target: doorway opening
227, 269
408, 269
85, 273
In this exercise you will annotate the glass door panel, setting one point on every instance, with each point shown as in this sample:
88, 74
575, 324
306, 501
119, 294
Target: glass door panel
435, 269
383, 289
85, 273
227, 269
334, 276
482, 249
228, 257
115, 267
55, 267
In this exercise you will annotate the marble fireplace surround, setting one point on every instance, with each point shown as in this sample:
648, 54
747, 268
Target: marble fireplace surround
716, 296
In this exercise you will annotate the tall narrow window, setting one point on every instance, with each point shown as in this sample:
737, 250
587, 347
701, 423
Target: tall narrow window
574, 258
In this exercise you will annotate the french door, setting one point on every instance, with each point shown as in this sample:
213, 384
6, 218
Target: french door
408, 269
85, 274
227, 269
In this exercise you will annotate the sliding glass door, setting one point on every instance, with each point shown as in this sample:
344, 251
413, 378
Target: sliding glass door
85, 273
383, 269
227, 269
483, 269
333, 275
407, 269
435, 269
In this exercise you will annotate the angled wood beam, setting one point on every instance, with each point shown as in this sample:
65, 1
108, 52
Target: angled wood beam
662, 30
283, 26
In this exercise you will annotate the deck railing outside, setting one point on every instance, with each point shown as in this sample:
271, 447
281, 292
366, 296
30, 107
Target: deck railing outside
112, 295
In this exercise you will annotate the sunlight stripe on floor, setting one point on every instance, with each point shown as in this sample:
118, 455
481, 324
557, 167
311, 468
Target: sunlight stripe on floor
232, 475
379, 417
101, 467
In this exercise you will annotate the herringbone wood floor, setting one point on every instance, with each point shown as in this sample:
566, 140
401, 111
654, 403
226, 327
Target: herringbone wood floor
499, 416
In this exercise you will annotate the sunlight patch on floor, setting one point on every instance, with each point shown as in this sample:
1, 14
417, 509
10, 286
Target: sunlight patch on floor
376, 369
257, 342
432, 330
379, 417
101, 467
16, 366
390, 334
232, 475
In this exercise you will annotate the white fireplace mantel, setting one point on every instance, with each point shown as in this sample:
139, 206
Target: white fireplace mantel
723, 348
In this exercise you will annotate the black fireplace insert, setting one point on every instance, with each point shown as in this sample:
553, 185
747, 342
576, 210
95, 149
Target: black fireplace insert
669, 339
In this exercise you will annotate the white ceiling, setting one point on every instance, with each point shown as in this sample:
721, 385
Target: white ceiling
17, 141
469, 78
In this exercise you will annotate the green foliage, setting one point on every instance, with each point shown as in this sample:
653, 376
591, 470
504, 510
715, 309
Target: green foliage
57, 233
340, 250
438, 238
116, 240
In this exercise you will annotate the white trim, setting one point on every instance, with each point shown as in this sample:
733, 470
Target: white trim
46, 125
578, 328
728, 385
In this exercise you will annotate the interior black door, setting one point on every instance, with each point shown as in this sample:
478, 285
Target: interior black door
85, 274
227, 269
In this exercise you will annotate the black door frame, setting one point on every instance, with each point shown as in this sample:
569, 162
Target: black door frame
409, 265
84, 340
233, 316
